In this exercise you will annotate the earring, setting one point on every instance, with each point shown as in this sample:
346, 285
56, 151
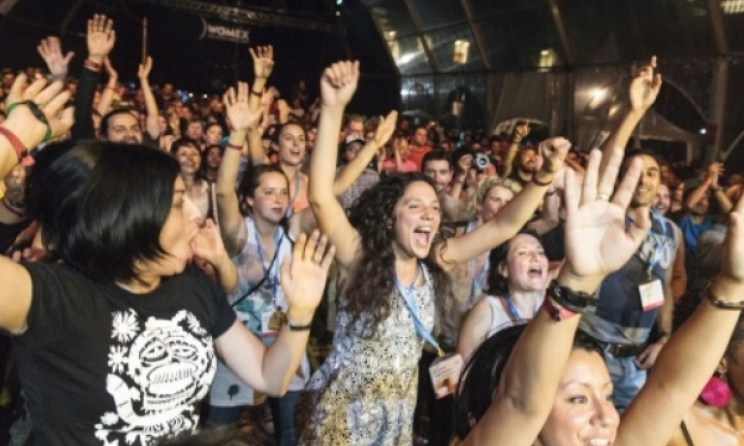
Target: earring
716, 392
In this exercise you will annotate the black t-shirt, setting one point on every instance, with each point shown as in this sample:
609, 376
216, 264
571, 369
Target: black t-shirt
101, 366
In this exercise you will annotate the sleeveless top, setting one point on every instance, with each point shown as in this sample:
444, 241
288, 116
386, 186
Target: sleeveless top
227, 389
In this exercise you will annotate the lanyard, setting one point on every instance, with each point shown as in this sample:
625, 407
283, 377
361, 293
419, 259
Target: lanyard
290, 209
408, 298
480, 277
658, 250
514, 313
274, 266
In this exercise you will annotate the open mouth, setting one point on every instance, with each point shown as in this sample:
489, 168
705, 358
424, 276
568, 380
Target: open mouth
422, 236
598, 442
535, 272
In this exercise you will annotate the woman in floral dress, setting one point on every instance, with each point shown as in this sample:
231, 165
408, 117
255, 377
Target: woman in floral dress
393, 283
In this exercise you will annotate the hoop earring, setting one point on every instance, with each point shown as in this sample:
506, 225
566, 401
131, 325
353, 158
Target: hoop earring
716, 392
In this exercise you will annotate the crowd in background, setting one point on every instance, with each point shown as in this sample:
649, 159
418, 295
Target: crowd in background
264, 167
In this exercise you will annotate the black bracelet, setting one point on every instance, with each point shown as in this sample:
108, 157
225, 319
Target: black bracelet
569, 299
259, 94
294, 327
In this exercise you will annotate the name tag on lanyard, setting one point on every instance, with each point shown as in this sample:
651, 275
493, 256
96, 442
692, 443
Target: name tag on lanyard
445, 373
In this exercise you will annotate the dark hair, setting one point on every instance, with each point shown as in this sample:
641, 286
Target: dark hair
104, 127
250, 181
635, 153
496, 283
481, 376
436, 155
279, 128
372, 277
114, 201
52, 192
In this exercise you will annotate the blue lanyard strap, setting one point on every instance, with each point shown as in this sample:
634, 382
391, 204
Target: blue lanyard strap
407, 294
514, 312
273, 268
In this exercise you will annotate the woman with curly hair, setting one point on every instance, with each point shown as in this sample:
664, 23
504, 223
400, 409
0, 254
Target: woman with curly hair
393, 271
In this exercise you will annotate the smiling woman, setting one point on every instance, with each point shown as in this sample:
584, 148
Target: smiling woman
395, 285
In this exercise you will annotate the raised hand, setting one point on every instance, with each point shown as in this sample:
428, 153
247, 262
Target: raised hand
597, 242
338, 83
645, 86
521, 131
51, 51
143, 72
553, 151
263, 61
733, 247
50, 100
207, 244
714, 172
101, 37
238, 111
385, 129
303, 278
112, 73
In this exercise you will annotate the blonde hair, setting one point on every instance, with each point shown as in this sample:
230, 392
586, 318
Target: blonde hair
481, 192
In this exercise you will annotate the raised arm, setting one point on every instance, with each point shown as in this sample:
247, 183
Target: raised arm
151, 123
690, 357
509, 220
337, 86
107, 97
263, 65
22, 130
352, 170
597, 243
521, 130
50, 50
242, 120
642, 93
100, 39
303, 280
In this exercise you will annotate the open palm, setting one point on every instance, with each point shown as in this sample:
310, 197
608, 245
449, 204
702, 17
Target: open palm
597, 241
303, 277
238, 109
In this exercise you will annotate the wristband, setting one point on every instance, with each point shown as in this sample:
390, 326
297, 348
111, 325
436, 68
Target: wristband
557, 312
20, 150
234, 147
541, 183
723, 304
295, 327
259, 93
569, 299
21, 213
91, 65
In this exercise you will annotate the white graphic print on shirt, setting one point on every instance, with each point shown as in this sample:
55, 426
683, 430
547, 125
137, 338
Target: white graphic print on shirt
158, 370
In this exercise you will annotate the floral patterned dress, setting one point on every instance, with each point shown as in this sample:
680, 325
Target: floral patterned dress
365, 392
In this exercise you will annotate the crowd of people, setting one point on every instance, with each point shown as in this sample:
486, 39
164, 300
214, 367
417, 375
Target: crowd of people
166, 261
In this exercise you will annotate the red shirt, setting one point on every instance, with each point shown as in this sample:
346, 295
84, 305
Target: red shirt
417, 155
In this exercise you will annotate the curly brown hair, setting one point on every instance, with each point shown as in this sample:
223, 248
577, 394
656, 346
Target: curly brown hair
372, 278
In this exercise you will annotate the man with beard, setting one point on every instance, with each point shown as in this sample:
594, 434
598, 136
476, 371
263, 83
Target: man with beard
638, 296
437, 165
521, 168
121, 126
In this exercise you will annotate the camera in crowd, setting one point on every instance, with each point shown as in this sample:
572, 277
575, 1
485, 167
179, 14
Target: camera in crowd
481, 161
